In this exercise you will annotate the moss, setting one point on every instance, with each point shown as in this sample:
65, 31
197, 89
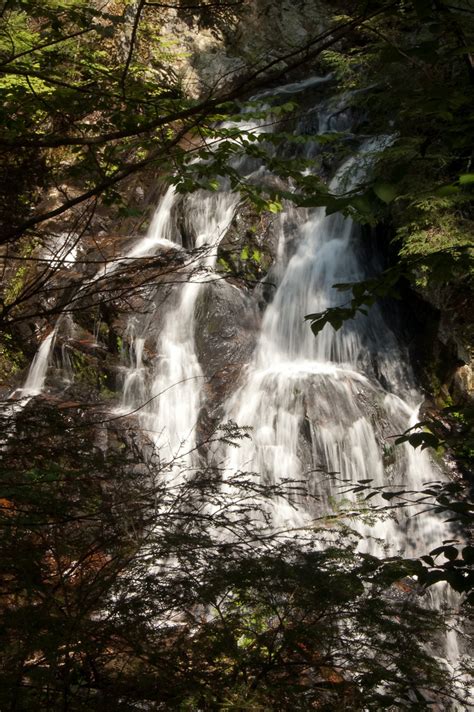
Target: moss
91, 374
12, 360
85, 372
105, 389
15, 284
249, 261
103, 331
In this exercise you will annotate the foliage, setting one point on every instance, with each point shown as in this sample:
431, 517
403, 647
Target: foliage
11, 357
126, 584
131, 583
413, 64
444, 498
93, 94
92, 91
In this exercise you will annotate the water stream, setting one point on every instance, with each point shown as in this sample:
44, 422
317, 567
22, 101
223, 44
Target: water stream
174, 383
329, 403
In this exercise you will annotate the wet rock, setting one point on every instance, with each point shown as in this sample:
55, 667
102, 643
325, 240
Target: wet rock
462, 386
249, 248
452, 346
227, 323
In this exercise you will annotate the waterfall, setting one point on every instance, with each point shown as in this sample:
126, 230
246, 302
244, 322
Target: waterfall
168, 395
65, 255
208, 218
314, 405
37, 373
326, 405
172, 391
330, 403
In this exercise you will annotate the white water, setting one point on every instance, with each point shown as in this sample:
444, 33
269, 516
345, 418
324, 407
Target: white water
313, 404
169, 394
160, 231
330, 404
174, 385
327, 381
209, 217
64, 255
37, 374
327, 404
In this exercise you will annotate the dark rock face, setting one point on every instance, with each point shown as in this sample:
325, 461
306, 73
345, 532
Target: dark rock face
456, 333
437, 328
227, 324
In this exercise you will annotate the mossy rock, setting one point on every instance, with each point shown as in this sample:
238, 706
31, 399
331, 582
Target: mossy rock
248, 250
12, 360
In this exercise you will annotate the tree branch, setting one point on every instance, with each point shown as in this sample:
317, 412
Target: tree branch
133, 37
118, 176
258, 78
52, 43
255, 80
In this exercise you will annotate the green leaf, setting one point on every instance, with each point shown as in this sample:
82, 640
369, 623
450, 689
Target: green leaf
447, 190
274, 206
385, 191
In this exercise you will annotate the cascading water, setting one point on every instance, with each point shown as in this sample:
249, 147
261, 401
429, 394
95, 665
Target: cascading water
161, 234
37, 374
170, 417
64, 256
328, 403
172, 389
324, 385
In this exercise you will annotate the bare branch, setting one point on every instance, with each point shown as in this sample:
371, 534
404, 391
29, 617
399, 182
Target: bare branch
133, 37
